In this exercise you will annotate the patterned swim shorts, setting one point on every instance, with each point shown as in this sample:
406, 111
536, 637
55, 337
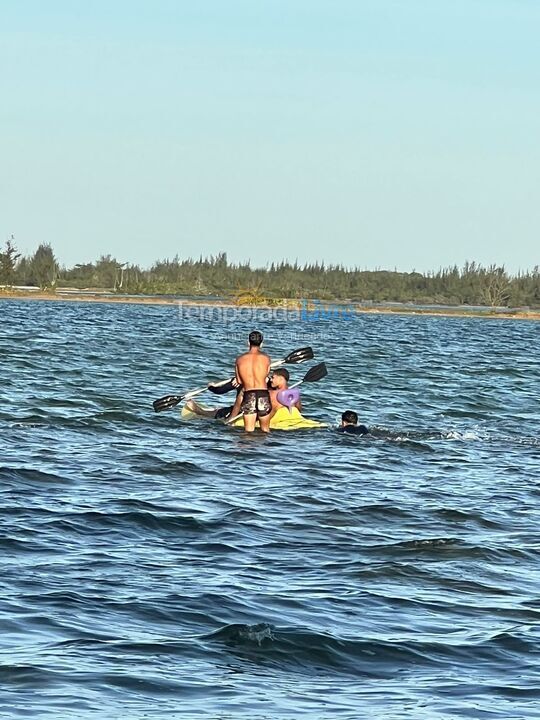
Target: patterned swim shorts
256, 402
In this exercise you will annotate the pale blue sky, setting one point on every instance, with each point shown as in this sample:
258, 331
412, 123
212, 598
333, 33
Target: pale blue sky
378, 133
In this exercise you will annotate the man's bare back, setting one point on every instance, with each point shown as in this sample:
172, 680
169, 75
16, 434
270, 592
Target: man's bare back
252, 370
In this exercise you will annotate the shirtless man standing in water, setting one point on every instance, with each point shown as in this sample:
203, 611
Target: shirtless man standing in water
252, 370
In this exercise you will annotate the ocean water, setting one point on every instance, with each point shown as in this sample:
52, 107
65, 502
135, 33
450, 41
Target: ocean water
154, 568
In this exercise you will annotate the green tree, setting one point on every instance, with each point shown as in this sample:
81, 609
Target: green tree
107, 271
496, 286
44, 267
8, 262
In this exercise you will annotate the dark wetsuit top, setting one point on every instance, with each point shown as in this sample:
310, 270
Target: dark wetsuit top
224, 412
221, 388
354, 430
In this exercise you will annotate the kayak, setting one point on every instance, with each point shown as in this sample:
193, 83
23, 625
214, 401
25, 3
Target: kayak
282, 420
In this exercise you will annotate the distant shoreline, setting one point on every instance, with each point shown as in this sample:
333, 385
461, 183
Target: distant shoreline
36, 296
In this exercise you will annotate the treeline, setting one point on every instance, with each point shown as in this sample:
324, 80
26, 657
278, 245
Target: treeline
472, 284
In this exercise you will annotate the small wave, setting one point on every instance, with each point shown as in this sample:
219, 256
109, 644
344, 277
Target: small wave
452, 548
154, 465
238, 634
307, 650
29, 676
515, 642
334, 517
456, 515
465, 435
29, 421
134, 521
27, 475
14, 545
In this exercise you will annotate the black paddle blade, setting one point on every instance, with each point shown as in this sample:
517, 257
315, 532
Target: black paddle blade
167, 402
299, 356
317, 372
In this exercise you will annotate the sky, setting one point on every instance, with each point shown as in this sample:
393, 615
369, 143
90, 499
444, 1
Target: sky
374, 133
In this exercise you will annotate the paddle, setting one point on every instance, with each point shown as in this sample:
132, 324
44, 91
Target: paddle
314, 374
294, 358
169, 401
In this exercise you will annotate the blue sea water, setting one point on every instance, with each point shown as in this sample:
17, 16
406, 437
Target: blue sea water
154, 568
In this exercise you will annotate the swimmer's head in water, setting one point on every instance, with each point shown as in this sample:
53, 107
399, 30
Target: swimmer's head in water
349, 417
279, 379
255, 338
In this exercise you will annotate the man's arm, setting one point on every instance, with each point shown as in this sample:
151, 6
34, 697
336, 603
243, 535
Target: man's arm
274, 402
268, 367
237, 404
237, 373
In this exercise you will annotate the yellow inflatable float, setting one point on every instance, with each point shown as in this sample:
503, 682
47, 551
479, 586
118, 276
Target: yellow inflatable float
282, 420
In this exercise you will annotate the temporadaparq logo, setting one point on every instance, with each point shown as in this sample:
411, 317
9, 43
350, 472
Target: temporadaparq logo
285, 311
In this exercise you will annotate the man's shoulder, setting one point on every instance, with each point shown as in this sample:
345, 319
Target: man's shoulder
353, 430
260, 355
